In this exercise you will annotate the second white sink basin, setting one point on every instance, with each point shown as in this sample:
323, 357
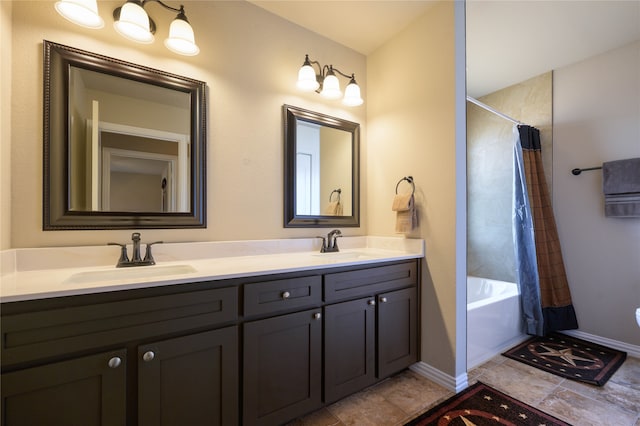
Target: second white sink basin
343, 255
132, 272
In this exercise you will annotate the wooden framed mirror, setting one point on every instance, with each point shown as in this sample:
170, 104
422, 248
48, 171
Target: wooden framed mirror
321, 170
124, 144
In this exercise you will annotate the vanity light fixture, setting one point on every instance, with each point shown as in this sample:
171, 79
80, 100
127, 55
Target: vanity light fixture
326, 82
132, 22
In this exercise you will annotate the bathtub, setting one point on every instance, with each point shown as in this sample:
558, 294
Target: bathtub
494, 323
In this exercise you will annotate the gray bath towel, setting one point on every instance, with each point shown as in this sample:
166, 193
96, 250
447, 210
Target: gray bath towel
621, 187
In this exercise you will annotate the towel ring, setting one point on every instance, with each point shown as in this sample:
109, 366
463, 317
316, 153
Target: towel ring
339, 191
410, 180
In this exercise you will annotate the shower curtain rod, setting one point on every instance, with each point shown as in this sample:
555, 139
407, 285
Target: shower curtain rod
488, 108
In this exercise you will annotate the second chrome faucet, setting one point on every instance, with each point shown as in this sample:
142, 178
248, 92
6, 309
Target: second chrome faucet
330, 244
136, 259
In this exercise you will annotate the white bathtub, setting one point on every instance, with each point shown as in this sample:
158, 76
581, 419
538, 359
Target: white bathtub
494, 323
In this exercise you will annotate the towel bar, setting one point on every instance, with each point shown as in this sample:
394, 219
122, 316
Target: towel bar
576, 172
410, 180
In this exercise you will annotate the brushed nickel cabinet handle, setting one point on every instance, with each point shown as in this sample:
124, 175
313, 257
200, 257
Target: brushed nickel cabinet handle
148, 356
114, 362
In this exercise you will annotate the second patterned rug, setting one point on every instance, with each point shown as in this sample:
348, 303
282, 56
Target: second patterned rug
480, 405
569, 357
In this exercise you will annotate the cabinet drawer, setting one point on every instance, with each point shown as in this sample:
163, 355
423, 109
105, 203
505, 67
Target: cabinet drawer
49, 333
367, 282
282, 295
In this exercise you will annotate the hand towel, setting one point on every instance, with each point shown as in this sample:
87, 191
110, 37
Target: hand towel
406, 216
402, 202
334, 208
621, 188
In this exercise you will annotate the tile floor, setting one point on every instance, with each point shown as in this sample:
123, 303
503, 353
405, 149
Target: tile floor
404, 396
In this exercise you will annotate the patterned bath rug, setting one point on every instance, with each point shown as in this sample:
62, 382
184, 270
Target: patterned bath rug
569, 357
481, 405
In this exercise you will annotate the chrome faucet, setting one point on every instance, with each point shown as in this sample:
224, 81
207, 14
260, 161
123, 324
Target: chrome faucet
136, 260
330, 244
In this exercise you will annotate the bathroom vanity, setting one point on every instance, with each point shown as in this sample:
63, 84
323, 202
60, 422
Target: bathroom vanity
260, 349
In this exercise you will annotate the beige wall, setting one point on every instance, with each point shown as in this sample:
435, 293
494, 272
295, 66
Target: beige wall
490, 141
249, 76
596, 113
411, 119
5, 125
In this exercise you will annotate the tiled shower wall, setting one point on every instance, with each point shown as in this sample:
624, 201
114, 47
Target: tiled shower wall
490, 140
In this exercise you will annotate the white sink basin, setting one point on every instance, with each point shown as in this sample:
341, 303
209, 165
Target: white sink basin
132, 272
343, 255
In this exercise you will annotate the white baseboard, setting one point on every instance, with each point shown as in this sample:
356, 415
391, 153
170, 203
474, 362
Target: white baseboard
455, 384
479, 359
631, 350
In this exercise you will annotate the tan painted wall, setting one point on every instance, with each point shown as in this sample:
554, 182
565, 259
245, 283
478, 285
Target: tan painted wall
249, 59
596, 114
412, 131
5, 126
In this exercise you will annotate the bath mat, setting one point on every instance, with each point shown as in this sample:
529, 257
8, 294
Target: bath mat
479, 405
569, 357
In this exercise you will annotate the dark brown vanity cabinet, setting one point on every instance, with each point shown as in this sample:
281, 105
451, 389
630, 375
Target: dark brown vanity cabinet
368, 339
282, 367
256, 351
190, 380
87, 390
349, 349
105, 360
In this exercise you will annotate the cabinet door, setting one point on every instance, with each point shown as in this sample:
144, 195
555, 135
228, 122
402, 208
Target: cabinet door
397, 331
191, 380
82, 391
282, 367
349, 347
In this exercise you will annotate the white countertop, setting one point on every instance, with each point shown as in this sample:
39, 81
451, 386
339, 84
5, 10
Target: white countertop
29, 274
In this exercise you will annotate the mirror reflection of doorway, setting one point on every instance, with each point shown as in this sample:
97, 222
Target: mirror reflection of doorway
308, 169
137, 181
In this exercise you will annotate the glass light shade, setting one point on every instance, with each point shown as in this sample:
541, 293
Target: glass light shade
134, 23
181, 40
331, 87
80, 12
307, 79
352, 95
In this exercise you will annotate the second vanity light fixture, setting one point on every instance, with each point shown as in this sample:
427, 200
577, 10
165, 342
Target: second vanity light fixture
326, 82
132, 22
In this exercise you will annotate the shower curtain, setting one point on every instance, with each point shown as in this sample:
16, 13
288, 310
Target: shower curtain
545, 296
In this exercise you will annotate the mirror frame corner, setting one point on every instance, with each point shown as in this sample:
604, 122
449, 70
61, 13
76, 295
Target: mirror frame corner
57, 60
291, 115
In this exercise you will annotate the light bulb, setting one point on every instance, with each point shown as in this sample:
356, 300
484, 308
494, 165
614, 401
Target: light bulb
352, 94
181, 39
133, 23
80, 12
307, 80
331, 86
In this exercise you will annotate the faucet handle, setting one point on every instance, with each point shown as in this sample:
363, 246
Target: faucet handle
148, 257
324, 244
124, 258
